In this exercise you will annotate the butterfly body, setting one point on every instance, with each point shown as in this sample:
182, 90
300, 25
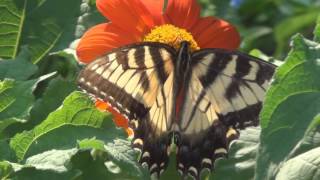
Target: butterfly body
199, 98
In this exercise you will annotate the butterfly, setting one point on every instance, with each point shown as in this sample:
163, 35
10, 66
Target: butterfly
197, 100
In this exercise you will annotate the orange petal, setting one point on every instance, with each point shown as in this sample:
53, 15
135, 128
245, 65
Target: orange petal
182, 13
101, 105
211, 32
118, 118
131, 16
100, 39
130, 132
155, 7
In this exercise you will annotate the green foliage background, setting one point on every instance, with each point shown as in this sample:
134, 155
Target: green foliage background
50, 130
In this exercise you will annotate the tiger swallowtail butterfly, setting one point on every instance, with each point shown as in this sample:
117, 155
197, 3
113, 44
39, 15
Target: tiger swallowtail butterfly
199, 99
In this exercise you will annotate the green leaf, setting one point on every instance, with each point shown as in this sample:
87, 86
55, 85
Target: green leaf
290, 106
31, 173
16, 100
5, 169
56, 160
19, 69
241, 162
92, 143
304, 166
6, 151
311, 138
12, 15
77, 119
317, 31
171, 172
299, 74
61, 62
54, 164
122, 154
296, 23
50, 27
58, 89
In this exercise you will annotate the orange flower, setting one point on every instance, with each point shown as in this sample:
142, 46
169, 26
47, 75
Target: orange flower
145, 20
132, 21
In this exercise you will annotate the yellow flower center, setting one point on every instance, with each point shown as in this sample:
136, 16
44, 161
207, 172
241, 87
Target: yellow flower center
171, 35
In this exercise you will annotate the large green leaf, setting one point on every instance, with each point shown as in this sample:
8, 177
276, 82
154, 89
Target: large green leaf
317, 31
5, 169
304, 166
54, 94
6, 151
12, 15
50, 27
53, 164
45, 26
89, 159
298, 75
290, 106
122, 155
240, 163
77, 119
16, 100
19, 69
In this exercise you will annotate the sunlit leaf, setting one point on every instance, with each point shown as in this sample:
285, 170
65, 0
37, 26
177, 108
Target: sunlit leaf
76, 119
19, 69
12, 16
16, 100
290, 106
304, 166
241, 161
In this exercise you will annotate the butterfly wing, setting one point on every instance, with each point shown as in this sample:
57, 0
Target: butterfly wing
136, 80
225, 93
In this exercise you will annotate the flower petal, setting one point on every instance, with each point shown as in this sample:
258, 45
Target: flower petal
100, 39
182, 13
131, 16
212, 32
101, 105
155, 7
118, 119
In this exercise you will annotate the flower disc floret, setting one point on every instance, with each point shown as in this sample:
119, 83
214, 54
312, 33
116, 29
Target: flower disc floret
171, 35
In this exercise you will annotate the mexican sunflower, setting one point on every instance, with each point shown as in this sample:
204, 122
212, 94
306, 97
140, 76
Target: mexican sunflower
147, 20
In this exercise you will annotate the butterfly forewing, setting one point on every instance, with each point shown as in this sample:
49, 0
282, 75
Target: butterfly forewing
128, 78
235, 81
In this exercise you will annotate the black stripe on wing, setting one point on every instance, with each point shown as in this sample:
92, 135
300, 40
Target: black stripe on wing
243, 79
232, 88
130, 79
121, 77
220, 58
108, 92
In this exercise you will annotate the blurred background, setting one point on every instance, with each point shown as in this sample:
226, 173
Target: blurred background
267, 25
